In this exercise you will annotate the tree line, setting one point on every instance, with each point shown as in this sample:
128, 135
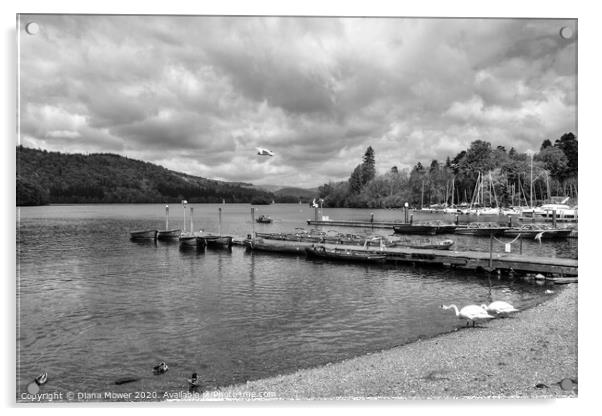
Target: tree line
52, 177
501, 177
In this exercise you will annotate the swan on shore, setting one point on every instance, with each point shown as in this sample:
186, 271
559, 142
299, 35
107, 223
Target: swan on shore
499, 308
472, 313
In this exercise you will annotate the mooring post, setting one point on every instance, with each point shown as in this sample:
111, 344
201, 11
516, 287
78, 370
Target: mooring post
252, 222
457, 219
411, 218
509, 221
191, 225
219, 230
490, 250
166, 217
554, 218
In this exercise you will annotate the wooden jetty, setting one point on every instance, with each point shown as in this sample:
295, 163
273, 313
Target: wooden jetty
474, 260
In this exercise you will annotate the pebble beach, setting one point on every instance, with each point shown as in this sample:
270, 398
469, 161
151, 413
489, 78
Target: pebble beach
532, 354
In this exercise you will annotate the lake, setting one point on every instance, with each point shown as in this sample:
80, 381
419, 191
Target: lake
94, 306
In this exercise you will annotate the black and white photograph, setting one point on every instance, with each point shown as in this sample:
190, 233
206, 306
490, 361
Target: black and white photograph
274, 208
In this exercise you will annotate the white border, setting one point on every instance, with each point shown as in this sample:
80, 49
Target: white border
589, 132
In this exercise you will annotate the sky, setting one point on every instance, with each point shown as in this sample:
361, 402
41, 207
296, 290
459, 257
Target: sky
199, 94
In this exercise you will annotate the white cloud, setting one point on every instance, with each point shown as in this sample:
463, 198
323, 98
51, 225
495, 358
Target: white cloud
197, 94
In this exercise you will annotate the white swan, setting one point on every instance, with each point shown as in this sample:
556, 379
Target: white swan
470, 313
499, 308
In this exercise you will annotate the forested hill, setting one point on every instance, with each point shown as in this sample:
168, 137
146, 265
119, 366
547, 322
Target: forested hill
52, 177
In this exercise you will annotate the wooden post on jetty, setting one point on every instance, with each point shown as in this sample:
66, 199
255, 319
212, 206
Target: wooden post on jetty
411, 218
191, 223
520, 245
490, 251
252, 222
219, 229
166, 217
184, 202
554, 219
316, 214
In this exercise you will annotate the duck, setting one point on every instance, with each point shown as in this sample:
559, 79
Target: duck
41, 379
160, 368
472, 313
499, 308
194, 380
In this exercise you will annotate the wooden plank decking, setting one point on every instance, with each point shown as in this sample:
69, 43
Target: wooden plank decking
474, 260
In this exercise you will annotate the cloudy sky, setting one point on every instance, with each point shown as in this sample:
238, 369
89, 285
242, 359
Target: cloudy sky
198, 94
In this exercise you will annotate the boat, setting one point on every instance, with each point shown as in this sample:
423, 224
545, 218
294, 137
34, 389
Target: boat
169, 234
279, 246
190, 240
322, 252
481, 229
424, 229
538, 231
415, 229
143, 234
219, 241
262, 219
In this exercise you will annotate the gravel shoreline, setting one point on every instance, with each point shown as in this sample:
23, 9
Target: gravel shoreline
523, 356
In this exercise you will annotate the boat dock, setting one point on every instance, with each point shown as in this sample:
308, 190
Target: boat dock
472, 260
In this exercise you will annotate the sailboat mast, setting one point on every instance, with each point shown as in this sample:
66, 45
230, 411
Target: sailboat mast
531, 188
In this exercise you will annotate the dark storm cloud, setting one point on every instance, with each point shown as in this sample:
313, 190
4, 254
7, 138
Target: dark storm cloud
197, 94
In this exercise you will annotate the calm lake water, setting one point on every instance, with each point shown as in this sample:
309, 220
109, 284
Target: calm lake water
94, 306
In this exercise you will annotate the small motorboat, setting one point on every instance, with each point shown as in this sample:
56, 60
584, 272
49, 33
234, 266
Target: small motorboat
216, 241
143, 234
189, 240
262, 219
164, 235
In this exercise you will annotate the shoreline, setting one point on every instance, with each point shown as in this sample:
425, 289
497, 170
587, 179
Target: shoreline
526, 355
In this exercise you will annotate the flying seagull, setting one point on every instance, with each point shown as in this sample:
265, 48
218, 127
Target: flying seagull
264, 152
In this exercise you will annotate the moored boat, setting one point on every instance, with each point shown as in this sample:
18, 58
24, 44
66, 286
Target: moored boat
425, 228
481, 229
538, 231
262, 219
189, 240
219, 241
422, 229
143, 234
344, 254
168, 234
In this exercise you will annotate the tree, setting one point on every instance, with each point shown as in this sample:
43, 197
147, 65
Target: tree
545, 144
368, 166
568, 144
355, 180
554, 161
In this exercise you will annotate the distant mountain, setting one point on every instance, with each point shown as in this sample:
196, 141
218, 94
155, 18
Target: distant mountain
52, 177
